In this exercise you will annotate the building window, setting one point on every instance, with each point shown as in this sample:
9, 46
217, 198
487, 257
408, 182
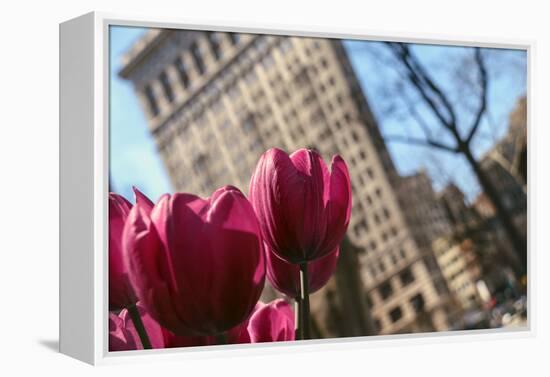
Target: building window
385, 290
248, 124
373, 245
396, 314
166, 86
361, 227
235, 38
268, 62
370, 173
431, 264
406, 277
286, 44
151, 100
440, 287
377, 325
182, 71
417, 302
197, 58
214, 42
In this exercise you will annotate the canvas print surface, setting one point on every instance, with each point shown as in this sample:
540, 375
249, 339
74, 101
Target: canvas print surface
268, 188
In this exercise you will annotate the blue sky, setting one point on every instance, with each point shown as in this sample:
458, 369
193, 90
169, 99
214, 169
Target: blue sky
134, 159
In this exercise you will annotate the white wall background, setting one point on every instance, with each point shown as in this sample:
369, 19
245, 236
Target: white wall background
29, 184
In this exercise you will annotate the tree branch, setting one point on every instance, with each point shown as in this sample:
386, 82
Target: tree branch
483, 98
416, 116
421, 142
430, 82
401, 52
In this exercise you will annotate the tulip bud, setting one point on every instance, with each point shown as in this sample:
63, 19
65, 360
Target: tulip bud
285, 277
120, 338
303, 209
273, 322
197, 265
154, 331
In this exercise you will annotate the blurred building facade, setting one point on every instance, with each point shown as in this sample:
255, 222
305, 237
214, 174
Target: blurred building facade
427, 215
506, 166
216, 101
461, 269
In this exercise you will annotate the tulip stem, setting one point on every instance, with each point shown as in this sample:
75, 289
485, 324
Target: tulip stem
298, 326
221, 338
138, 324
304, 299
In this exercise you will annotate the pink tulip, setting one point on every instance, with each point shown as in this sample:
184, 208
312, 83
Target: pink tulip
121, 293
268, 323
197, 265
123, 335
303, 209
273, 322
285, 277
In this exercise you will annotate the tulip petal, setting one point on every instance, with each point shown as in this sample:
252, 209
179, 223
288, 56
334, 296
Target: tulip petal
120, 339
143, 201
274, 172
121, 293
311, 224
232, 237
339, 204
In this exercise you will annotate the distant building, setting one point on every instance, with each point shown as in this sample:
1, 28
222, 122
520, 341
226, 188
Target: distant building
506, 166
460, 215
426, 215
215, 101
460, 267
483, 206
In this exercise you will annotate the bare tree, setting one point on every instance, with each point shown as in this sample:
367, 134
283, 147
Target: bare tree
444, 118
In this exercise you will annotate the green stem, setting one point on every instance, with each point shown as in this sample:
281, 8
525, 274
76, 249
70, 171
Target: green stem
304, 292
138, 324
298, 326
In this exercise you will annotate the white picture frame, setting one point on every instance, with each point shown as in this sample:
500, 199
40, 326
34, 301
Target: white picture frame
84, 157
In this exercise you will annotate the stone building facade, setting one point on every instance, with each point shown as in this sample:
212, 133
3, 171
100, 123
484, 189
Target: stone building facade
216, 101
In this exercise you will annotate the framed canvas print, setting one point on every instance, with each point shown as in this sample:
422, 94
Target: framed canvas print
236, 190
